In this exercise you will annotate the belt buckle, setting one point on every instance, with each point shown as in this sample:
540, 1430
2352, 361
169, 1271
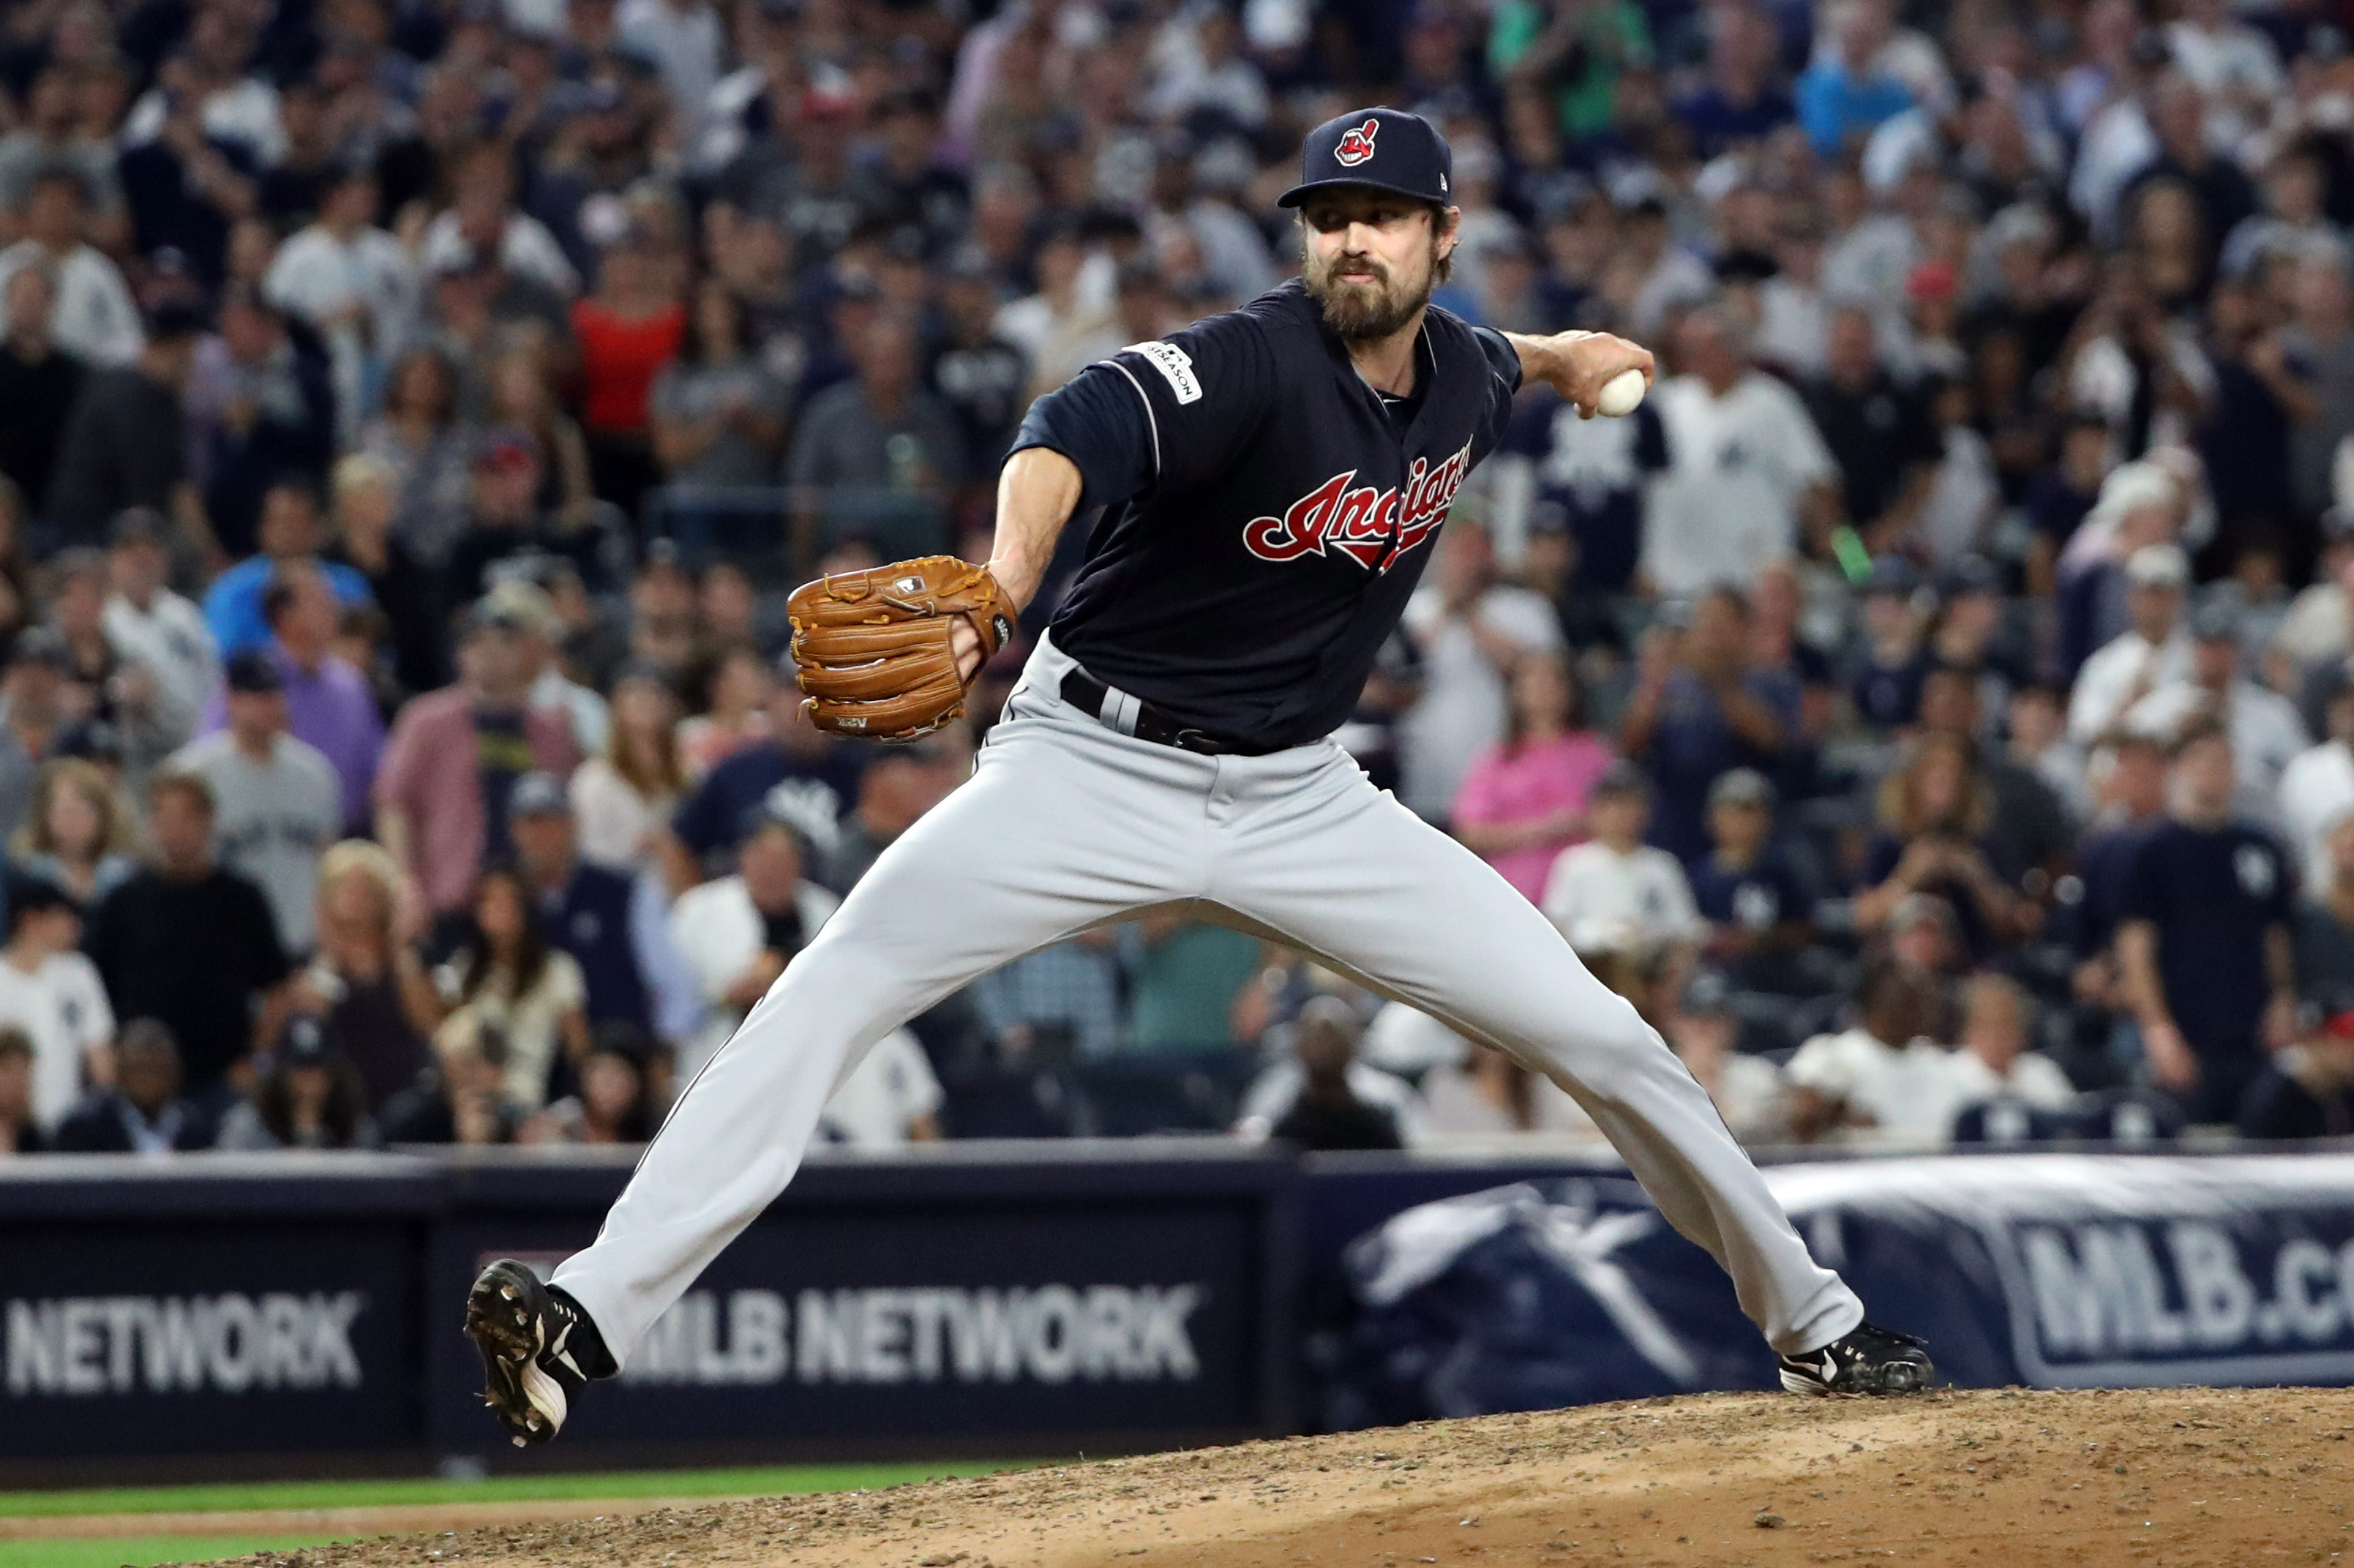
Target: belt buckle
1190, 739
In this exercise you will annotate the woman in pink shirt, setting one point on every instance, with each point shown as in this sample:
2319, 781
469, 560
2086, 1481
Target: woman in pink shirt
1524, 801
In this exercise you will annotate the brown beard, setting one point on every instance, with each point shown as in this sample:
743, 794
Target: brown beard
1359, 312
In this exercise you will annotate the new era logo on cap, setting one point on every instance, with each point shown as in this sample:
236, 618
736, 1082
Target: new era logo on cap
1386, 149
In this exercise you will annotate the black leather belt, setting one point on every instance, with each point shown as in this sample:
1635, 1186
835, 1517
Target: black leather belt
1113, 711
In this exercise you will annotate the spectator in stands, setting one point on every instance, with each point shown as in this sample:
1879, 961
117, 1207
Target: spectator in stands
2140, 507
1994, 1061
461, 1098
144, 1112
452, 761
1746, 466
1878, 433
1748, 1091
38, 381
1851, 90
894, 789
2317, 786
365, 985
822, 774
125, 442
1893, 660
353, 283
421, 435
2208, 965
76, 834
33, 721
1937, 833
624, 800
95, 319
280, 803
110, 685
161, 630
737, 933
1472, 632
1524, 800
610, 1105
628, 329
521, 400
614, 927
503, 519
51, 991
1274, 1092
1880, 1082
2131, 794
1613, 886
505, 975
328, 704
311, 1096
261, 411
366, 491
718, 412
515, 597
738, 684
2040, 751
2266, 730
1741, 101
879, 435
1699, 708
2306, 1090
2030, 817
20, 1132
1759, 914
2323, 925
2155, 652
1327, 1113
288, 535
192, 945
890, 1099
1183, 979
49, 135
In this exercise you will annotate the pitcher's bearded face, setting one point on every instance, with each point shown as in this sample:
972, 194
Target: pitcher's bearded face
1371, 260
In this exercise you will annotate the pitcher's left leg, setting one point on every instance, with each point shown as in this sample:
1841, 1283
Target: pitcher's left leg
1349, 872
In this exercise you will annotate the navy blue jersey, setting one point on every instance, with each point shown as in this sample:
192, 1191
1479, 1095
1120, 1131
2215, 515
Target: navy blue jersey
2212, 893
1276, 518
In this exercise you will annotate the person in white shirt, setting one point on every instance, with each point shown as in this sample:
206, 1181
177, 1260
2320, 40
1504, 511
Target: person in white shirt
529, 605
211, 69
356, 285
48, 990
684, 40
2154, 652
94, 317
482, 213
2233, 64
164, 630
1748, 1091
2316, 788
1994, 1062
1745, 467
1613, 890
1882, 1084
2267, 732
1471, 630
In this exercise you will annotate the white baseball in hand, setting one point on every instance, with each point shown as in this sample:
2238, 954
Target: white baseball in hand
1621, 393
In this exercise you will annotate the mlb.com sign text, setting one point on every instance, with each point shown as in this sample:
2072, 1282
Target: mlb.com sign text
1048, 1334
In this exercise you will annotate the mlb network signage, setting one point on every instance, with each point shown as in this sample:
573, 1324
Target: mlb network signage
2101, 1270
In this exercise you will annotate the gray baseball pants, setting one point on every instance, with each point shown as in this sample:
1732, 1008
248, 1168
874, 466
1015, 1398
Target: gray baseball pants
1067, 825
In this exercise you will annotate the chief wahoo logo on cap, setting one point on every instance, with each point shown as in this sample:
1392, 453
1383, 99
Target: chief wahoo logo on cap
1356, 145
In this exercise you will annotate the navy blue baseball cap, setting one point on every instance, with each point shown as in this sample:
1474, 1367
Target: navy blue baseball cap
1386, 149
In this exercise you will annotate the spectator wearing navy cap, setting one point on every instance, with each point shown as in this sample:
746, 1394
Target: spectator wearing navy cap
613, 925
1892, 661
310, 1097
281, 804
1758, 907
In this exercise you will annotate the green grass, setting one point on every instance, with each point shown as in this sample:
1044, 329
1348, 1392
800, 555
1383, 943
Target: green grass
143, 1549
758, 1481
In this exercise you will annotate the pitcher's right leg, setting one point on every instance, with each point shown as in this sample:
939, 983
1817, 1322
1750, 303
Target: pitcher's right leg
1062, 825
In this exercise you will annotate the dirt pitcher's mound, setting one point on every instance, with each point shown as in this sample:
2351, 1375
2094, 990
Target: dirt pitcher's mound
2007, 1480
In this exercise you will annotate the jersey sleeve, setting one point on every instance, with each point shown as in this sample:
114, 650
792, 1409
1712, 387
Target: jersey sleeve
1503, 365
1095, 420
1204, 392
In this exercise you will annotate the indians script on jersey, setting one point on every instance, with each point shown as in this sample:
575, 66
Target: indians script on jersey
1373, 527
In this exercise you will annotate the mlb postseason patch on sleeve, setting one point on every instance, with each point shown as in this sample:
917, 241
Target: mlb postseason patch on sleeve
1176, 367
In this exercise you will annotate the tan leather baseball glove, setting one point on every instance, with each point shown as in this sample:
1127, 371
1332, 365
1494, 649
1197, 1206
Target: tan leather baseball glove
873, 648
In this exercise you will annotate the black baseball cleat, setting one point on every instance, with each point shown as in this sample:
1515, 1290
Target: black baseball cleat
1871, 1360
539, 1350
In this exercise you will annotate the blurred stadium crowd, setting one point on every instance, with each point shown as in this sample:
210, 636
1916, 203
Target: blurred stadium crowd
1932, 707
